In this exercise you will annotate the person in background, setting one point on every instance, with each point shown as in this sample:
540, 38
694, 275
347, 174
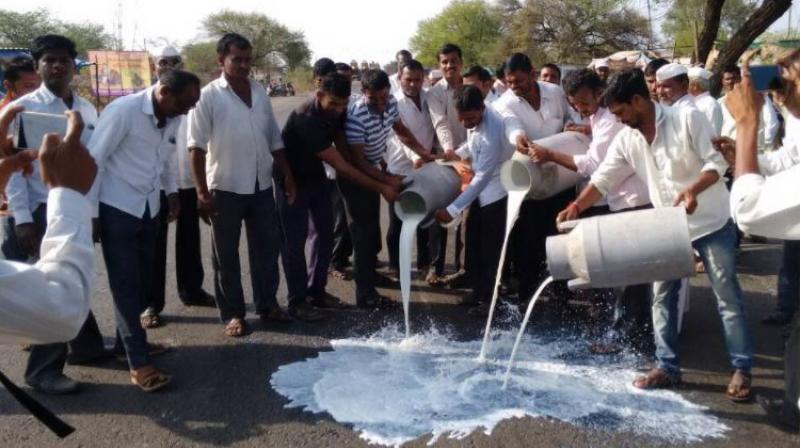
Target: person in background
412, 105
234, 140
48, 302
699, 85
479, 77
650, 71
134, 147
486, 148
19, 79
500, 82
768, 122
400, 59
688, 172
550, 73
769, 206
602, 69
188, 258
54, 58
434, 77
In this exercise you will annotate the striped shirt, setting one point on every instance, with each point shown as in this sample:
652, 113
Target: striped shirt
364, 127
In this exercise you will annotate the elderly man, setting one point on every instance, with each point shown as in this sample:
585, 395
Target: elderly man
769, 206
670, 149
672, 82
699, 83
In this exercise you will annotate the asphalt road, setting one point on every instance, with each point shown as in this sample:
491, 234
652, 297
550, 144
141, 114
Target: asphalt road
221, 394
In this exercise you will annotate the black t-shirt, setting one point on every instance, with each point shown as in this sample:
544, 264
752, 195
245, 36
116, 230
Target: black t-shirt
307, 132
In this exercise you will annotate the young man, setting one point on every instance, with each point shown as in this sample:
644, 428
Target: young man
499, 85
449, 132
699, 84
487, 148
309, 137
369, 123
670, 149
19, 79
533, 110
234, 141
134, 147
400, 59
54, 58
650, 71
584, 90
481, 78
188, 259
550, 73
412, 105
768, 122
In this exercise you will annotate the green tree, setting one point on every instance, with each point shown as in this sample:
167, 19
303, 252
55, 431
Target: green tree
570, 31
17, 29
473, 25
686, 19
200, 58
266, 35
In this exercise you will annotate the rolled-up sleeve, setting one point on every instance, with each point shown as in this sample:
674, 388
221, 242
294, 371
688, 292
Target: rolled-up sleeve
700, 135
18, 202
437, 106
200, 123
768, 206
614, 168
773, 162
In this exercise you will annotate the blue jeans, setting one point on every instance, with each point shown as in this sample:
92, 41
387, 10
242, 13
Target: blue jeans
718, 252
129, 249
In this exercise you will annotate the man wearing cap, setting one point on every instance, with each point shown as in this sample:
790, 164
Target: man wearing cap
699, 83
602, 69
673, 86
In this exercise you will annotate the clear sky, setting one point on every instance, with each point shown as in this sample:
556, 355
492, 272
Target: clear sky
339, 29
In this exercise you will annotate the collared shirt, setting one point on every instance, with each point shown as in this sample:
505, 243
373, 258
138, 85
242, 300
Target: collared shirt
183, 161
680, 152
134, 156
26, 193
685, 101
491, 97
768, 206
238, 140
488, 148
399, 157
522, 119
308, 131
48, 302
365, 127
712, 110
450, 132
630, 192
768, 124
499, 88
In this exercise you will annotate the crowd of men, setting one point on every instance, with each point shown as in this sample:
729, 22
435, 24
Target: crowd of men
309, 193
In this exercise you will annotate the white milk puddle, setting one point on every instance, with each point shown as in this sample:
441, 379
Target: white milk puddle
393, 389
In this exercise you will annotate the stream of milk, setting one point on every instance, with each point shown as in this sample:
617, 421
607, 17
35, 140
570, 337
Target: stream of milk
407, 234
525, 320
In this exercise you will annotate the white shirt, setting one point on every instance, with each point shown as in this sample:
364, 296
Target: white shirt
394, 82
183, 161
631, 192
522, 119
48, 302
135, 159
685, 101
491, 97
26, 193
768, 124
488, 148
449, 130
239, 140
680, 152
712, 110
399, 157
768, 206
499, 87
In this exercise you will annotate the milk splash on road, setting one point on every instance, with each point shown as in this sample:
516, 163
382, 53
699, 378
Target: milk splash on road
394, 389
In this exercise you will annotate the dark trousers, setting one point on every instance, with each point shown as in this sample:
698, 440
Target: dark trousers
486, 228
363, 211
188, 257
312, 205
537, 221
129, 248
10, 246
431, 244
342, 244
47, 361
257, 210
791, 370
789, 279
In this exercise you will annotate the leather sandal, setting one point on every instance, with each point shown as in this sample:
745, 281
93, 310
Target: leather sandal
740, 388
149, 378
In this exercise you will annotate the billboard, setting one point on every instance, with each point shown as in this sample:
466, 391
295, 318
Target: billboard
120, 72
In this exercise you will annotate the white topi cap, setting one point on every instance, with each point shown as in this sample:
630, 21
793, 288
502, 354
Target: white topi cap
169, 52
670, 71
699, 73
601, 63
